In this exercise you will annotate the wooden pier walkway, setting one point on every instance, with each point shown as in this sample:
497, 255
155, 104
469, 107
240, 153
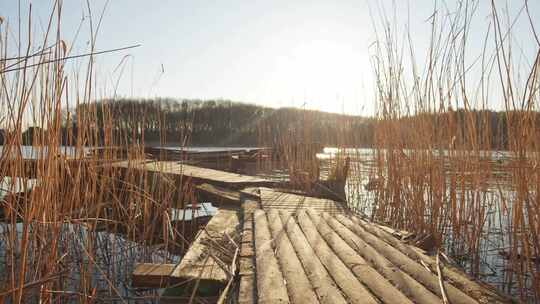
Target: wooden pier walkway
314, 257
197, 174
272, 245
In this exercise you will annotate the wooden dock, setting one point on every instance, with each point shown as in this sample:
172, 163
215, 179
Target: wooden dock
314, 257
272, 245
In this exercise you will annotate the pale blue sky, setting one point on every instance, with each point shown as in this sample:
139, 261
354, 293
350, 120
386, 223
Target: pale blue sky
276, 53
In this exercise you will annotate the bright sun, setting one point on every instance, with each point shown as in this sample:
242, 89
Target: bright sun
324, 74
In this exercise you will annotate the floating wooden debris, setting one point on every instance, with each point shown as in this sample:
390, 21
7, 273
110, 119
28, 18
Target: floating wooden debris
152, 275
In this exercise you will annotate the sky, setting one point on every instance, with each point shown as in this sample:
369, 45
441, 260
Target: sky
312, 54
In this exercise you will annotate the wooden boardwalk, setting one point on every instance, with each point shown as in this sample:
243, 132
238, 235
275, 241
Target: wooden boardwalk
281, 246
197, 174
315, 257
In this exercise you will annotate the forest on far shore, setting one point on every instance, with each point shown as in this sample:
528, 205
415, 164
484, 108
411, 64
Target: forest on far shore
221, 123
227, 123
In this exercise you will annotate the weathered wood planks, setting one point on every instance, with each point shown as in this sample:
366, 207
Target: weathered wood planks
247, 293
366, 274
302, 291
198, 174
150, 275
202, 261
405, 264
221, 195
335, 258
290, 202
299, 249
270, 284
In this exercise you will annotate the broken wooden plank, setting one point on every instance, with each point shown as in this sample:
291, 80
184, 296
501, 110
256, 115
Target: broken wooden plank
203, 259
217, 195
221, 195
150, 275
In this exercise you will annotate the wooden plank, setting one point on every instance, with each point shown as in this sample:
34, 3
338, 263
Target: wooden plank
325, 288
222, 196
151, 275
480, 291
406, 264
366, 274
217, 195
253, 191
198, 263
197, 173
407, 284
166, 299
274, 199
247, 293
270, 284
355, 291
298, 285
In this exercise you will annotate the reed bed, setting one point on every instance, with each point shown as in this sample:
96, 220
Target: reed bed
440, 169
72, 226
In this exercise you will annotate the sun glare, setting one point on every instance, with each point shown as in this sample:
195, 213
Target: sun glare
319, 71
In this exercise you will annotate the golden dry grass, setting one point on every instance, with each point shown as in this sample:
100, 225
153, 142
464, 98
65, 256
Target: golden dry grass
434, 148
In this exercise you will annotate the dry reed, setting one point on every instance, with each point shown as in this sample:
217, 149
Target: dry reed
71, 225
435, 161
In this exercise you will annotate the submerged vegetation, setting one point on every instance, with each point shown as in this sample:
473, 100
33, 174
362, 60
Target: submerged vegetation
73, 231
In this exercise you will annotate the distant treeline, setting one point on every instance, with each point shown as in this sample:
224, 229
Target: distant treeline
460, 129
228, 123
220, 123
